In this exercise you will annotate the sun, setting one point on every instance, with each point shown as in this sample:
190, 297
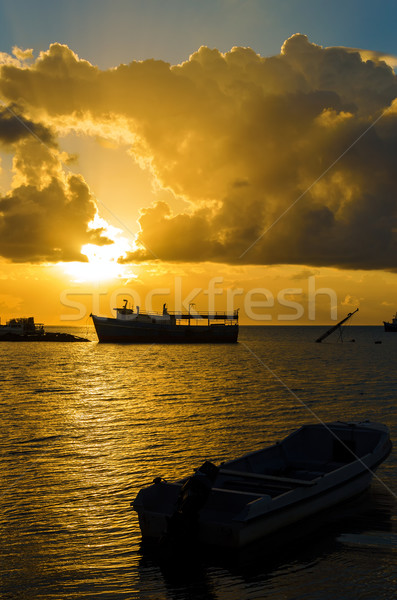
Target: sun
102, 263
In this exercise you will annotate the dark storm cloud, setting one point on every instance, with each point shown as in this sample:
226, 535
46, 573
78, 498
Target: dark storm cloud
46, 214
47, 224
15, 127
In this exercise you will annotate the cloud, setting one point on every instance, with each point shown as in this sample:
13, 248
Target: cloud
22, 54
241, 137
14, 126
374, 55
46, 215
47, 225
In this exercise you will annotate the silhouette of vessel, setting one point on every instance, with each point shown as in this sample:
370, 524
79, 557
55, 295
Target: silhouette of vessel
191, 326
389, 327
241, 501
24, 329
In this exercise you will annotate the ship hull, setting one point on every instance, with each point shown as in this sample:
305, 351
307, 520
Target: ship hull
389, 327
111, 330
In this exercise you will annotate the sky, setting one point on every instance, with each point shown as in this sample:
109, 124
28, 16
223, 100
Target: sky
232, 154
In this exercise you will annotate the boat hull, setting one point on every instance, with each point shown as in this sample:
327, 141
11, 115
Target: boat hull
134, 332
154, 525
238, 535
390, 327
236, 517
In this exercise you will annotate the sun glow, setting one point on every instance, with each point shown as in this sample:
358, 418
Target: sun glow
102, 260
102, 263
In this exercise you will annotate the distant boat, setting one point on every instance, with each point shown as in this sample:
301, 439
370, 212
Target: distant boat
23, 326
241, 501
191, 326
24, 329
391, 326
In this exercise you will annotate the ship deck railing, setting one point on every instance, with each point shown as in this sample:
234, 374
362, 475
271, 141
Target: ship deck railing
217, 315
208, 316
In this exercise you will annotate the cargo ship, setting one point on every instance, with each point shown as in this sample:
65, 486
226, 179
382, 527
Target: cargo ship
134, 326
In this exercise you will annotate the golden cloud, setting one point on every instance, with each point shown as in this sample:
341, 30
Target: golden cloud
46, 215
22, 54
286, 159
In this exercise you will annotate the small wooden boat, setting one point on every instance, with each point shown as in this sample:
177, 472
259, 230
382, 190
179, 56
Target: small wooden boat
243, 500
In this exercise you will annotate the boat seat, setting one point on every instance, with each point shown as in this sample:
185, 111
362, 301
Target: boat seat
266, 478
274, 466
227, 501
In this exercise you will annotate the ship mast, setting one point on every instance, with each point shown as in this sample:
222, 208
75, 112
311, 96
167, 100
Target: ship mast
335, 327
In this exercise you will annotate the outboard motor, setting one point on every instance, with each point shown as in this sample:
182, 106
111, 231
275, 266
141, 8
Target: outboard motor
183, 524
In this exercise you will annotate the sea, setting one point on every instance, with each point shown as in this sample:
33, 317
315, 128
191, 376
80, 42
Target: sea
84, 426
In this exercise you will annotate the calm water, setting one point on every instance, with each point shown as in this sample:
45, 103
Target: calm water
84, 426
